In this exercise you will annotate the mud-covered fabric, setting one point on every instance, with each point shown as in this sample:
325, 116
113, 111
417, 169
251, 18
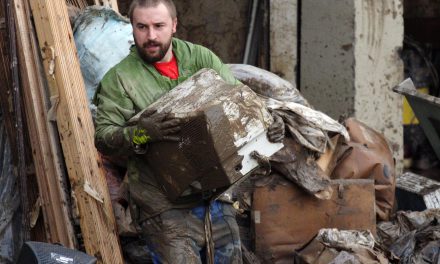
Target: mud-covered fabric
130, 87
178, 235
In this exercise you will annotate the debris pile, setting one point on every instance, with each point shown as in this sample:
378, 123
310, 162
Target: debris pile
325, 195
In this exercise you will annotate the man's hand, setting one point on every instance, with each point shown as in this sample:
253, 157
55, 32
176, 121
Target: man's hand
275, 132
154, 127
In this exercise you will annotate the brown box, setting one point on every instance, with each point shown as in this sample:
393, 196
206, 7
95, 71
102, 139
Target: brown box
226, 123
286, 218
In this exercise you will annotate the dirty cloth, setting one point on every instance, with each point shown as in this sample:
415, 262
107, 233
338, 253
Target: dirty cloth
128, 88
308, 126
267, 84
178, 235
301, 169
368, 156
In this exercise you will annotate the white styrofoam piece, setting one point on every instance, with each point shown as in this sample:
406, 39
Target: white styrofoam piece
432, 200
260, 144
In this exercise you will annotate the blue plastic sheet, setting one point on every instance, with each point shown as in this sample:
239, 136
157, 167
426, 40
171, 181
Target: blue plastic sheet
103, 38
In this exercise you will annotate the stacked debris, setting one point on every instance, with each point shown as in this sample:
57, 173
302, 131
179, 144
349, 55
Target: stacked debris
413, 237
327, 175
345, 173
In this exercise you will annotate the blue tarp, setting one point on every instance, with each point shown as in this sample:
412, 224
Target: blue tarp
103, 38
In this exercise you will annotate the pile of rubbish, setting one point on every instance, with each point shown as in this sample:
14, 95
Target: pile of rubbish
317, 200
325, 194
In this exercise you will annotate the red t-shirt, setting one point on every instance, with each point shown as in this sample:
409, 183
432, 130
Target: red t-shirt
168, 69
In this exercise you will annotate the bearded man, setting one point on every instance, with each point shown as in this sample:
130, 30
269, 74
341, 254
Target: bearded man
156, 64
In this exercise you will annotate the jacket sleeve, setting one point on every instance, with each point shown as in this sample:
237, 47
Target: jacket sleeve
207, 59
114, 108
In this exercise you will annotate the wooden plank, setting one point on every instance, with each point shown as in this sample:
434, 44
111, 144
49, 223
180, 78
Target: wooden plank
46, 150
18, 122
5, 80
74, 121
81, 4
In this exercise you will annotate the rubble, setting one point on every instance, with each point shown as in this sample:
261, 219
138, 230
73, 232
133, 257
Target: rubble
324, 175
417, 193
341, 246
413, 237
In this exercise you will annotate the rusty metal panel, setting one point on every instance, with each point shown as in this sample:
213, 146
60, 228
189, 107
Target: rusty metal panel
286, 218
427, 110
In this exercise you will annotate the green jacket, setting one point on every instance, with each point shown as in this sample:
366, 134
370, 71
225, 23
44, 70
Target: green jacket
130, 87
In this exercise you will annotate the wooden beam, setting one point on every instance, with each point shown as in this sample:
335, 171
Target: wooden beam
46, 149
18, 122
74, 121
81, 4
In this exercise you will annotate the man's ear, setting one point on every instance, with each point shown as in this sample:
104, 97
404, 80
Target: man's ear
174, 25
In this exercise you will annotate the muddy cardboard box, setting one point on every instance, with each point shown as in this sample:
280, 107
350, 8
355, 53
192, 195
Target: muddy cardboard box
225, 124
286, 217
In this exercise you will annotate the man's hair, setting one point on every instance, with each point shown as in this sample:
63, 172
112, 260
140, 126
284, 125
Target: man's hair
152, 3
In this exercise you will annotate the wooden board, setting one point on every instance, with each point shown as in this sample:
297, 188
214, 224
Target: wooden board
286, 217
74, 121
46, 150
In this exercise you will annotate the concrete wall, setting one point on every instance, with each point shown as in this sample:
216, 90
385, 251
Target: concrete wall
379, 36
350, 62
327, 58
283, 38
219, 25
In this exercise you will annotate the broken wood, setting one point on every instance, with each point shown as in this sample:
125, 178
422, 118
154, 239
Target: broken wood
74, 121
81, 4
46, 149
5, 79
327, 161
18, 122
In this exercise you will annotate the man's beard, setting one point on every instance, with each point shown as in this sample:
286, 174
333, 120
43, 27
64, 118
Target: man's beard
163, 48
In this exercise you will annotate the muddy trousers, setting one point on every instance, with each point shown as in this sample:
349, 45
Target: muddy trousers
178, 235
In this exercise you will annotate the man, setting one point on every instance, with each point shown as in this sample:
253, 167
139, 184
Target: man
175, 231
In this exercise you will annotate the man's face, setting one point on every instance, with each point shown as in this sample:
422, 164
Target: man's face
153, 29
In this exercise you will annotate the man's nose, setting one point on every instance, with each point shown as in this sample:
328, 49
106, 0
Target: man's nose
152, 34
